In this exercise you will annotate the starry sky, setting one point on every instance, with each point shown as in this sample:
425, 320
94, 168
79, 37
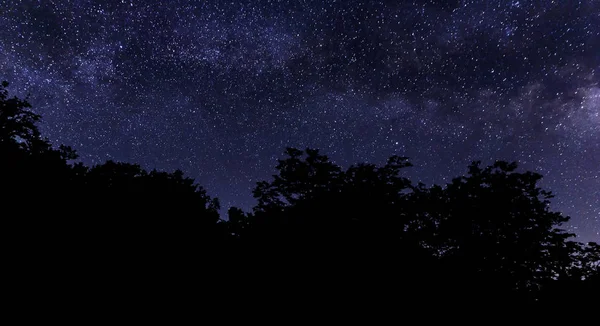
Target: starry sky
220, 88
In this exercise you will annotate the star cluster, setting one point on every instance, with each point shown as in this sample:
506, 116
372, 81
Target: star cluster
220, 88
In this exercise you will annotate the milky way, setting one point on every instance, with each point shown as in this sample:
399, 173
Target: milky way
220, 88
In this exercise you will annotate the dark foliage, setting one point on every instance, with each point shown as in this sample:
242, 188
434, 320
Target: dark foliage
318, 232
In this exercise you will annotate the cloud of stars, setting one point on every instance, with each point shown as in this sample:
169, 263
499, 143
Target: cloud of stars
219, 88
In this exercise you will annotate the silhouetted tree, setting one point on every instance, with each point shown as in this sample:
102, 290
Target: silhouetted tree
115, 205
490, 234
495, 226
29, 164
312, 199
318, 230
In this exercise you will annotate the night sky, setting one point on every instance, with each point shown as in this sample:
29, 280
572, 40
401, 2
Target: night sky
220, 88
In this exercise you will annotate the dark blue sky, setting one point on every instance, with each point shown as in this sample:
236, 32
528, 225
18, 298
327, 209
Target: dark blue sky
219, 88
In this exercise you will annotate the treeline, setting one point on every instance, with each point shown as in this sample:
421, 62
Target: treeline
317, 228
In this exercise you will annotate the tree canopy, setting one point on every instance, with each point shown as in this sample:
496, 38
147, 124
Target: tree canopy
488, 235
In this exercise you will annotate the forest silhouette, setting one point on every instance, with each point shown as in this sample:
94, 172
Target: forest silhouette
318, 230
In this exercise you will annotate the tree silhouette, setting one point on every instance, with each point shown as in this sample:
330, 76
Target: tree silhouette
318, 229
113, 205
30, 164
495, 226
315, 200
489, 234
